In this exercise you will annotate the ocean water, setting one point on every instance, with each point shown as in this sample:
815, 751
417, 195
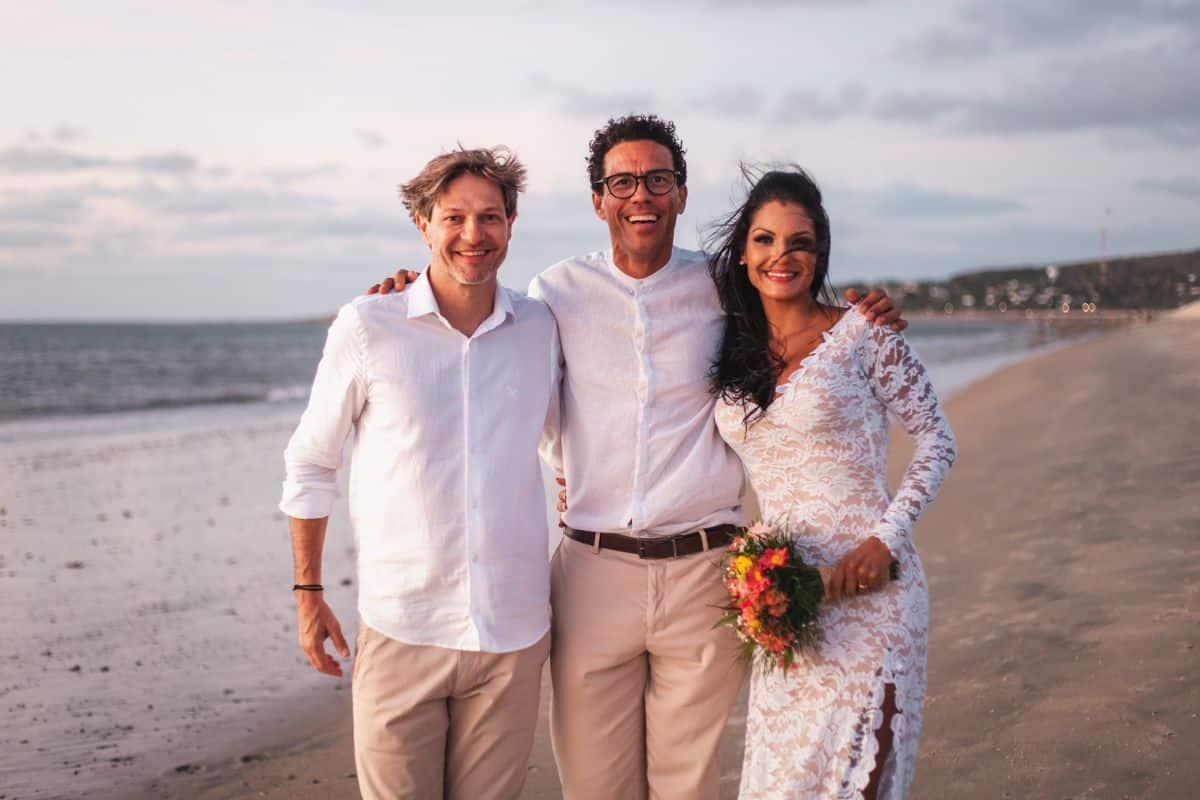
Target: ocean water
60, 378
74, 369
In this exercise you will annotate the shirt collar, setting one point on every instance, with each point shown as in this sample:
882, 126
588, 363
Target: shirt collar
649, 280
420, 297
422, 302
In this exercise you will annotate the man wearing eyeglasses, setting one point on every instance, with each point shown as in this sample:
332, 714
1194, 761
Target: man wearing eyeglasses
643, 681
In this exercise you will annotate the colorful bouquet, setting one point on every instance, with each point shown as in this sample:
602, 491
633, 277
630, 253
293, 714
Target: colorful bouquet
773, 596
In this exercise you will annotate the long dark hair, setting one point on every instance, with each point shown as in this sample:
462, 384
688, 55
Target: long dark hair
747, 370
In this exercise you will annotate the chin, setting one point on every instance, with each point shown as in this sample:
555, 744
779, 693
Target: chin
473, 278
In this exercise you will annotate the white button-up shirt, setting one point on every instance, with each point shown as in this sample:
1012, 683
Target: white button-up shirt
446, 493
640, 449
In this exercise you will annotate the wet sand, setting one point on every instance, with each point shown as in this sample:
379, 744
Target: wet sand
150, 614
1064, 600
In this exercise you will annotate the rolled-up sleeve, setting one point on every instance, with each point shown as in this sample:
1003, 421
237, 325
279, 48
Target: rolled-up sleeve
314, 453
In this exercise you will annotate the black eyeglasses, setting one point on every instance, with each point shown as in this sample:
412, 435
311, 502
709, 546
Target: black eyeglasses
623, 185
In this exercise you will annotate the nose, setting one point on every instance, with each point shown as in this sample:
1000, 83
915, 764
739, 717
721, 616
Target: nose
641, 192
472, 230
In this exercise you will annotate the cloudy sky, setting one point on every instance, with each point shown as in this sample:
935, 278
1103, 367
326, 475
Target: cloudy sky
218, 160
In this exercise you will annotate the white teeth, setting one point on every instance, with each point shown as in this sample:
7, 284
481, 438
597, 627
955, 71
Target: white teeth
643, 218
782, 274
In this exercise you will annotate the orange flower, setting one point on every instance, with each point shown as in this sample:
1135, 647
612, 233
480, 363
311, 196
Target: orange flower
775, 557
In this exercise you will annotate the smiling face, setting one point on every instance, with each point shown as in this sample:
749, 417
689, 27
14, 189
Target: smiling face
467, 231
780, 256
641, 227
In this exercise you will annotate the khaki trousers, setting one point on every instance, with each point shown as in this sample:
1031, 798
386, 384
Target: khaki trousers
436, 723
643, 682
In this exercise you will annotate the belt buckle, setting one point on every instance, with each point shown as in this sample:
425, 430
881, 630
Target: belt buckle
641, 548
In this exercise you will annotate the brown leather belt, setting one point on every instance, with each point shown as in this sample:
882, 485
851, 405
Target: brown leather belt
681, 544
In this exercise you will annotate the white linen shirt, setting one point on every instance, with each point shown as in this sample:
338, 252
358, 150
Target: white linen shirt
640, 450
446, 494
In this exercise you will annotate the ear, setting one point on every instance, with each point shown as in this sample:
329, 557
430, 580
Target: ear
598, 204
682, 198
511, 220
423, 227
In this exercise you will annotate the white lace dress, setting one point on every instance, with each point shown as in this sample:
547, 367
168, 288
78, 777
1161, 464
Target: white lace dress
818, 463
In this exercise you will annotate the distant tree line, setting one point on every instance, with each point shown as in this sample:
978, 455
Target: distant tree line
1159, 281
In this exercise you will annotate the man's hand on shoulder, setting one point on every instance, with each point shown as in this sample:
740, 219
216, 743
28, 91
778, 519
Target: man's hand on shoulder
878, 307
397, 283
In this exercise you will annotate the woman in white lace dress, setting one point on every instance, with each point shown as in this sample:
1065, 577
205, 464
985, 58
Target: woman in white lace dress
805, 392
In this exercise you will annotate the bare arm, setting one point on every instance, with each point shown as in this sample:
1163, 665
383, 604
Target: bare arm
315, 620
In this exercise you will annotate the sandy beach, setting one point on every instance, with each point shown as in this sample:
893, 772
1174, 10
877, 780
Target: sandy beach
1065, 604
1066, 598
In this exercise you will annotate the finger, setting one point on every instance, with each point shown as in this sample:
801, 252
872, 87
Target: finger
374, 289
850, 582
873, 297
863, 584
561, 524
837, 581
853, 296
401, 277
899, 325
314, 657
329, 666
560, 506
561, 481
870, 304
885, 310
412, 276
887, 317
335, 634
871, 580
882, 303
387, 286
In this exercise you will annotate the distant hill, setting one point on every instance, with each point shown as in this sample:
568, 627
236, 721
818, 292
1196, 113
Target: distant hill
1158, 281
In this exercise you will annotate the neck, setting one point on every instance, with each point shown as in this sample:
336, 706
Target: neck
640, 266
464, 306
786, 317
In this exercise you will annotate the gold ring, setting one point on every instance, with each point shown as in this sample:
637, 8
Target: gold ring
862, 586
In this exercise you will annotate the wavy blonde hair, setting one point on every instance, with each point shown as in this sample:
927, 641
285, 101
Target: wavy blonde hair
496, 164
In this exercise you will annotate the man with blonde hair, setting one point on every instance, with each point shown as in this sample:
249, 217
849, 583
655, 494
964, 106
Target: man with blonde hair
448, 386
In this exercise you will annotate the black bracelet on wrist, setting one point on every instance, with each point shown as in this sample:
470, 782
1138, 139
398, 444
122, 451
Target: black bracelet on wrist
307, 587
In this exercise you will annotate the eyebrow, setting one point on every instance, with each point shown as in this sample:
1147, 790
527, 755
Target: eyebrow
794, 235
486, 210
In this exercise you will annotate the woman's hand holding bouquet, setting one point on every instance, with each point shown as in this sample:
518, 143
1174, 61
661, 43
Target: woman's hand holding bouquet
774, 596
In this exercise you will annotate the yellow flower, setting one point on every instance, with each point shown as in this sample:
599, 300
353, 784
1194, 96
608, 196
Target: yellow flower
741, 564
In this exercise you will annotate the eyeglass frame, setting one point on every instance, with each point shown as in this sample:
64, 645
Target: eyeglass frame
675, 174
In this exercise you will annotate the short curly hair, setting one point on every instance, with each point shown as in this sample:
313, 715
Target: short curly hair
633, 128
497, 164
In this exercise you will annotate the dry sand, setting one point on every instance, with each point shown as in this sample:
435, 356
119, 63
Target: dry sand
1190, 311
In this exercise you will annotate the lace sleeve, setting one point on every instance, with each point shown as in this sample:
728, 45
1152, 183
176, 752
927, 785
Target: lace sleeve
899, 380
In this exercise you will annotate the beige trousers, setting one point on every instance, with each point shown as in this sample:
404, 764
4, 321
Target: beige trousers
643, 682
436, 723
